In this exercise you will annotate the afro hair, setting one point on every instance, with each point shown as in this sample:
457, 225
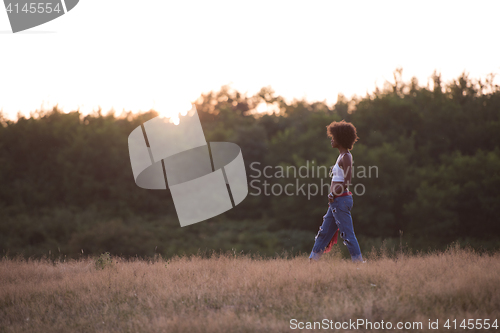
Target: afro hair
344, 133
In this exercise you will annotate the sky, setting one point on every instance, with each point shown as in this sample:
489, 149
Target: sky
138, 55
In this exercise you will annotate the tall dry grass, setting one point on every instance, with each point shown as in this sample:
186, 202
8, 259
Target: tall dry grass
228, 293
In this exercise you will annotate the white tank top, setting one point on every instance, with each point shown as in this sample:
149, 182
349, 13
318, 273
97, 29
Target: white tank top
337, 173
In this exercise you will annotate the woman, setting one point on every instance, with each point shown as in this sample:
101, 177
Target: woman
338, 217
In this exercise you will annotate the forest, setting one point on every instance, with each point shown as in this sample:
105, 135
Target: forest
67, 188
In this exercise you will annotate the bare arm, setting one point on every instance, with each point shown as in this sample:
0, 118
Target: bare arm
347, 166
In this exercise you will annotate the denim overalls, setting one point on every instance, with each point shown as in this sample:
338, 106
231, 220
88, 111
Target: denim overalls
337, 216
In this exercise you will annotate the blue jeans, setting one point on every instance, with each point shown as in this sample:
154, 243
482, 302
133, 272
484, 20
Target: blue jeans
339, 217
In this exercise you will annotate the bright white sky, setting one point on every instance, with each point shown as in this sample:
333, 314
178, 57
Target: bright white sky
137, 55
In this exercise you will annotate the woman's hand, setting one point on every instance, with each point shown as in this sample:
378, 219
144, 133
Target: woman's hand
330, 198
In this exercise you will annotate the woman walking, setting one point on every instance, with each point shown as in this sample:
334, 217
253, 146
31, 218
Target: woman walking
338, 217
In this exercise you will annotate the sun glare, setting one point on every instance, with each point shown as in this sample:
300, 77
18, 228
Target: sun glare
172, 109
266, 108
262, 107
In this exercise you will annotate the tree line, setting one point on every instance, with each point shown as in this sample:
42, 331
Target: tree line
67, 183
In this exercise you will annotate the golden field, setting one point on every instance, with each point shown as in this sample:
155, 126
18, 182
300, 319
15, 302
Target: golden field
236, 293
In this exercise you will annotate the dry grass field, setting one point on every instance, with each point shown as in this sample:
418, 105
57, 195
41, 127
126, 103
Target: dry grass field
231, 293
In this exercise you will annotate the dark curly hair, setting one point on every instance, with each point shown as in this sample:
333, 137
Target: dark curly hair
344, 133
